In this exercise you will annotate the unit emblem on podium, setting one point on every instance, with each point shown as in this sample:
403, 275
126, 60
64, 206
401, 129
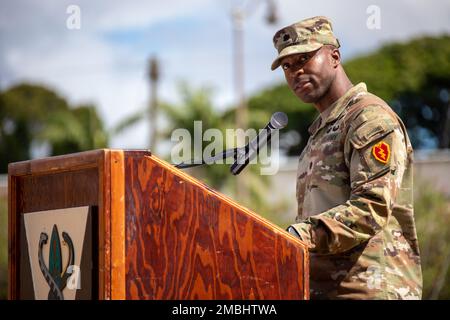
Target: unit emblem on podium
54, 273
55, 245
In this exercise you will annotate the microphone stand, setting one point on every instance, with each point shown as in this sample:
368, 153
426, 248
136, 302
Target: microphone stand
243, 156
220, 156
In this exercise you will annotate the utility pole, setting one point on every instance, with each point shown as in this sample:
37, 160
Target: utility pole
238, 15
238, 62
153, 106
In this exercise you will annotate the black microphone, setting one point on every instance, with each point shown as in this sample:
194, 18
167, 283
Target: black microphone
279, 120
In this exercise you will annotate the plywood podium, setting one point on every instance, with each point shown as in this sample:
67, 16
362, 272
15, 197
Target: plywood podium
138, 228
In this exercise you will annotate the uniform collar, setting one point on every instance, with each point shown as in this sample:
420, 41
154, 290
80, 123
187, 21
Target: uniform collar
336, 109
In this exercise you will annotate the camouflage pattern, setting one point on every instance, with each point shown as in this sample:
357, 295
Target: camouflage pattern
304, 36
355, 211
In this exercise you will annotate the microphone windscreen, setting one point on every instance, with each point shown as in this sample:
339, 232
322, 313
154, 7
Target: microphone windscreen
279, 120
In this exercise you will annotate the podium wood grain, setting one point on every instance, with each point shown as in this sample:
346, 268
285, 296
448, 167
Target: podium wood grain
186, 241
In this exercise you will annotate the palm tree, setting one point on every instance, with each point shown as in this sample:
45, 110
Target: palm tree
33, 114
74, 130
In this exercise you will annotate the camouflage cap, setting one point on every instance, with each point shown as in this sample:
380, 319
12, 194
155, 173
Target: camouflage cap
303, 36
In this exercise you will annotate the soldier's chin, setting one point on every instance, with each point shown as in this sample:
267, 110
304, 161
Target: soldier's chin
308, 97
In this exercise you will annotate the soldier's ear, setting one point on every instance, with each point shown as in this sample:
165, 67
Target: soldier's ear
335, 55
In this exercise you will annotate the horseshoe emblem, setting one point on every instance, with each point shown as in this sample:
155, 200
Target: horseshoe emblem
54, 274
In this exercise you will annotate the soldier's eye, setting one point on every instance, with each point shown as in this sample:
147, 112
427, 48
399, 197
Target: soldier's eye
303, 59
285, 66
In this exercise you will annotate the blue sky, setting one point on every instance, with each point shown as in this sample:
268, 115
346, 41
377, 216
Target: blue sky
105, 62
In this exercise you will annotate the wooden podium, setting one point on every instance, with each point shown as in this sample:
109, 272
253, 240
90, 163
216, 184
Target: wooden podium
148, 231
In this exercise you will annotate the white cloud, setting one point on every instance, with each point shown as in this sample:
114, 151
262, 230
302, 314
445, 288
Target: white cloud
400, 20
135, 14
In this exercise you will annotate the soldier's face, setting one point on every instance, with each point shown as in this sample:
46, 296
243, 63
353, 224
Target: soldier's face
309, 75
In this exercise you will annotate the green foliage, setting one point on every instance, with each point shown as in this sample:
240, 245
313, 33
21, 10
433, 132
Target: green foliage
33, 114
23, 110
415, 78
399, 67
74, 130
426, 113
432, 213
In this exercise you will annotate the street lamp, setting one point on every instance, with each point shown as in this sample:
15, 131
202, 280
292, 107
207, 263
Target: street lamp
238, 15
154, 77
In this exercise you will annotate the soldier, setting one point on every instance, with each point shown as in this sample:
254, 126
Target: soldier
354, 179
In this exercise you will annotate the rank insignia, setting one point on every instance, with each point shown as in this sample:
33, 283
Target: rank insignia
381, 151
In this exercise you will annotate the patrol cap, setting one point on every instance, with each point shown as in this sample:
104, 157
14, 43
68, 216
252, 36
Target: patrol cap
303, 36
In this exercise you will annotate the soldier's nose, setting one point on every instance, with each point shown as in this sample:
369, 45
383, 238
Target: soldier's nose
299, 71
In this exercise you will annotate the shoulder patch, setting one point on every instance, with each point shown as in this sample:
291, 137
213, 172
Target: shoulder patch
381, 151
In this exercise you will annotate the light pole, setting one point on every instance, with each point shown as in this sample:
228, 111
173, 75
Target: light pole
153, 106
238, 15
238, 62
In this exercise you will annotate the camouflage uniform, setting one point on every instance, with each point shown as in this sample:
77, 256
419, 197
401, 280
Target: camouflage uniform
355, 205
355, 202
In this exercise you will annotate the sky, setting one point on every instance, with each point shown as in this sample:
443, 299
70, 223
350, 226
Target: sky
105, 61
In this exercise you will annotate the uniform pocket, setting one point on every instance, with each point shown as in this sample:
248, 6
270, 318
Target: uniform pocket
368, 133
